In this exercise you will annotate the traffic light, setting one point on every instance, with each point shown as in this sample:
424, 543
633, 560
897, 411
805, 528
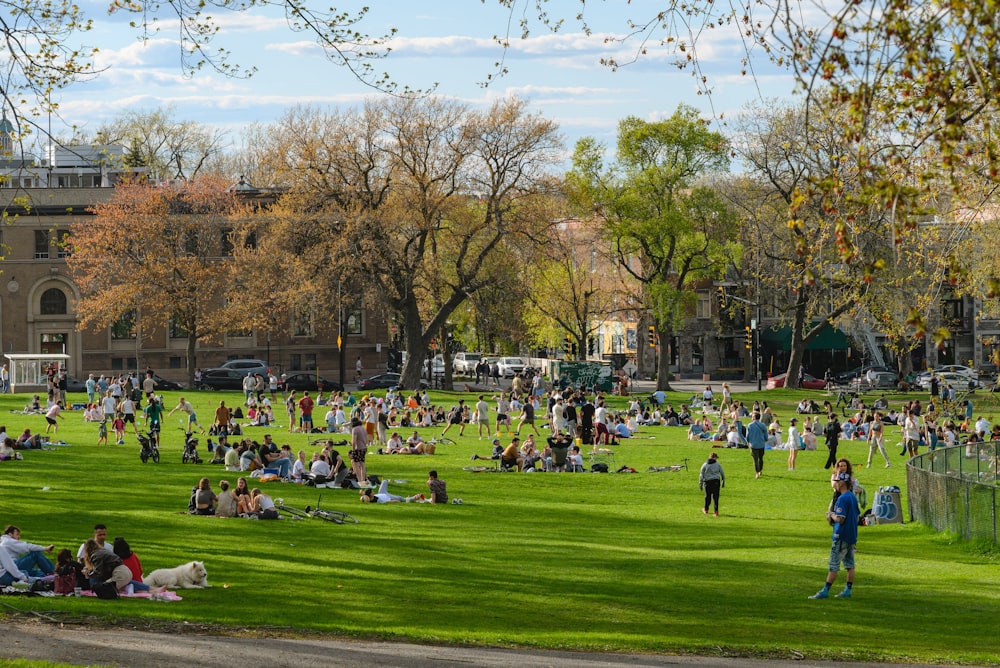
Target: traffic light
722, 296
591, 346
652, 336
749, 337
433, 344
568, 344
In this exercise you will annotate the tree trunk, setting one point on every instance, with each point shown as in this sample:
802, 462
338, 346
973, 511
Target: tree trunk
663, 361
192, 357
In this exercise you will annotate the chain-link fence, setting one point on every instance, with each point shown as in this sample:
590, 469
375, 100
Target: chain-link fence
957, 489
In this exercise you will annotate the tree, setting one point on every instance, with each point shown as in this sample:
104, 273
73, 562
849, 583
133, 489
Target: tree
822, 254
157, 252
409, 200
571, 290
926, 76
667, 232
168, 148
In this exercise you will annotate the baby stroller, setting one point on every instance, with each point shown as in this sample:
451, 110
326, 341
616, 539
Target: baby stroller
190, 450
148, 448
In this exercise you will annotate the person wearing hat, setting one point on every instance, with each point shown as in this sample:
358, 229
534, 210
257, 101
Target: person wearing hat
794, 443
844, 519
711, 479
497, 452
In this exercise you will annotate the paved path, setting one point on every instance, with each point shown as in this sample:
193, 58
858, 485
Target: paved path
82, 646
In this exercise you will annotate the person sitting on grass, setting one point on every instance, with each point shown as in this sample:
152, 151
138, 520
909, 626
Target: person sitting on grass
575, 464
496, 454
227, 504
383, 495
439, 493
262, 505
204, 498
511, 455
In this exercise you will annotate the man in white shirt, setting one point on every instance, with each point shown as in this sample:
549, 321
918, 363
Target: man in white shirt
983, 426
27, 558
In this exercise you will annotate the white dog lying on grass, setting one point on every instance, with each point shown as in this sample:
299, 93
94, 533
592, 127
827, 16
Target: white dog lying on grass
191, 575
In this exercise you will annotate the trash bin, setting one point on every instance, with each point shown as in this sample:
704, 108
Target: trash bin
887, 506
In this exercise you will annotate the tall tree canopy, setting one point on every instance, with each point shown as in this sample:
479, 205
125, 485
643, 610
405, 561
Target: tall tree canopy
407, 199
667, 231
158, 255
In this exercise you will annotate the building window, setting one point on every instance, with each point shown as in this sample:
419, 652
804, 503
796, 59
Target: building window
352, 325
53, 302
704, 307
117, 364
176, 330
63, 246
296, 363
302, 322
697, 351
227, 242
41, 245
176, 362
124, 327
310, 361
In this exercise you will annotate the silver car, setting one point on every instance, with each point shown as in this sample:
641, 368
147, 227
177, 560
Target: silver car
510, 366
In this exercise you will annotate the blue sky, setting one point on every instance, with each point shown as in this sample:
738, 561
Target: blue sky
448, 43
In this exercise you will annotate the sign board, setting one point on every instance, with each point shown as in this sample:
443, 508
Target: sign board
592, 374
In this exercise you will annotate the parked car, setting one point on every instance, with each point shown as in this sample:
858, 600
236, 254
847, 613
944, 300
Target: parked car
859, 372
808, 382
510, 366
75, 384
958, 381
306, 380
164, 385
924, 378
382, 381
244, 365
465, 363
222, 379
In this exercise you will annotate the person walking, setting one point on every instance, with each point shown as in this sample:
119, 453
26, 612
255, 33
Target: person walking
844, 519
757, 438
711, 479
876, 438
831, 432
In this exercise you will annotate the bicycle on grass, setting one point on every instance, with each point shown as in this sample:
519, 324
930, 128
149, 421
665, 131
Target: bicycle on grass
335, 516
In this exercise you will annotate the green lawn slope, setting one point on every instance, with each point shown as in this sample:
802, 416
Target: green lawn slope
617, 562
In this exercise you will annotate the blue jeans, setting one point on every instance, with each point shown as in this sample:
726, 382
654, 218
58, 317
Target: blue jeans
283, 465
35, 564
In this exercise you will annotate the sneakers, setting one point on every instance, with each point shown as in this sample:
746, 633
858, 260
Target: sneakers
705, 510
716, 513
822, 593
844, 594
472, 458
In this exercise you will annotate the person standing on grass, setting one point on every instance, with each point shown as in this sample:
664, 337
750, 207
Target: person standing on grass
359, 448
844, 519
911, 435
51, 415
794, 443
483, 416
185, 406
757, 438
831, 432
306, 405
711, 479
876, 438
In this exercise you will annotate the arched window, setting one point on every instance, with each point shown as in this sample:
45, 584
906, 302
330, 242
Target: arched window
53, 302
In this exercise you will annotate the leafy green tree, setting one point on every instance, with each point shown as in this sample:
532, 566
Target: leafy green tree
667, 232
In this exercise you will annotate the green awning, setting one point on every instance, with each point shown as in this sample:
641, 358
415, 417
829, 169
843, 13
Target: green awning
830, 338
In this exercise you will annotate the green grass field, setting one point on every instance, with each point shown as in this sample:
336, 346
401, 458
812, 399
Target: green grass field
616, 562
